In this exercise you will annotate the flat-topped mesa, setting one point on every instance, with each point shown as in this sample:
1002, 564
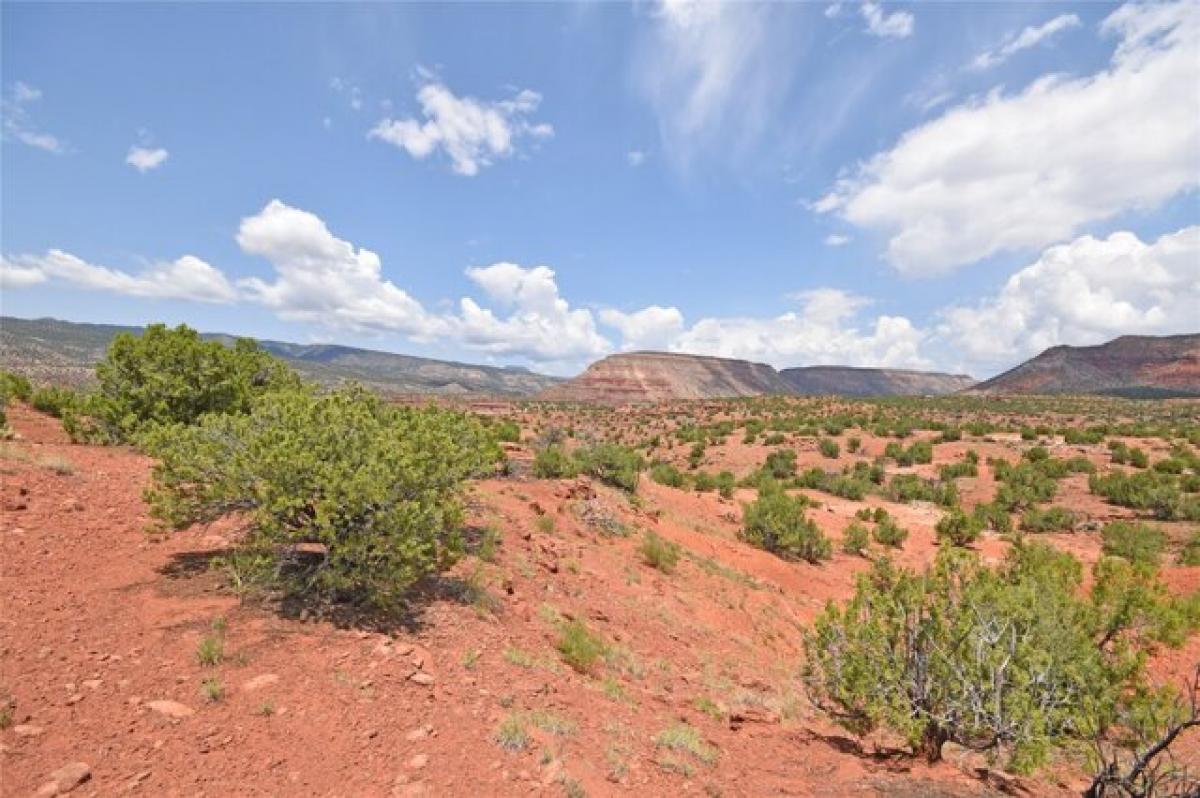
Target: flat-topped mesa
857, 381
661, 376
1132, 365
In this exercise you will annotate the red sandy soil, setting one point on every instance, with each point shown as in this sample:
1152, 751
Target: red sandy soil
100, 619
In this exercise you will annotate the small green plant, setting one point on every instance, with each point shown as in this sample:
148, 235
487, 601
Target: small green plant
856, 539
265, 709
612, 464
544, 524
210, 650
1139, 543
959, 529
667, 474
829, 448
1048, 519
683, 738
777, 522
889, 533
511, 734
1190, 553
554, 462
518, 657
212, 689
470, 658
579, 647
659, 553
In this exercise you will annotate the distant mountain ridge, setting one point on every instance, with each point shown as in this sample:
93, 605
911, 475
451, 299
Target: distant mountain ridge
1132, 365
66, 352
657, 376
857, 381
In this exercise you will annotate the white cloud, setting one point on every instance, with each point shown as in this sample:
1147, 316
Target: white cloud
711, 73
542, 325
321, 278
1031, 36
823, 332
651, 328
186, 278
896, 25
17, 122
836, 240
635, 157
472, 133
145, 159
1015, 172
1085, 292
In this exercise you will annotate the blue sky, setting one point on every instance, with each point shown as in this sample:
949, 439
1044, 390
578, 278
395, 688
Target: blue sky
951, 186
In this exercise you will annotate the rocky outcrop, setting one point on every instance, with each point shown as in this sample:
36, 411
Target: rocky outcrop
851, 381
1132, 365
658, 376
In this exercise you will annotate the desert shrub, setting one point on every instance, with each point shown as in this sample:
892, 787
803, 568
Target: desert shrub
918, 452
14, 386
950, 435
1048, 519
774, 439
777, 522
1028, 434
346, 498
612, 464
54, 401
726, 482
829, 448
659, 553
910, 487
1147, 490
579, 647
508, 431
889, 533
1136, 542
856, 539
696, 455
955, 470
853, 444
993, 516
667, 474
1189, 554
703, 482
173, 376
1023, 485
923, 654
1138, 458
959, 529
554, 462
781, 464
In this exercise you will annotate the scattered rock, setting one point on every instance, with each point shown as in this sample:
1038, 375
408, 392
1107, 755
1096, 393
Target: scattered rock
172, 709
27, 730
417, 762
422, 678
66, 778
416, 734
259, 682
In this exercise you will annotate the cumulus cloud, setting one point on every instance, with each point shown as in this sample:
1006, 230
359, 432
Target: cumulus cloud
896, 25
826, 330
541, 326
145, 159
473, 134
186, 278
18, 122
1022, 171
1084, 292
321, 278
836, 240
651, 328
1031, 36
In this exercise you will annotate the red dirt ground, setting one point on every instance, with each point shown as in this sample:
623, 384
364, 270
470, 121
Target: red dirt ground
101, 619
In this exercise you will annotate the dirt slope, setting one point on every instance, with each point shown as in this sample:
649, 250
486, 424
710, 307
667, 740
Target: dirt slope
850, 381
1131, 365
659, 376
102, 622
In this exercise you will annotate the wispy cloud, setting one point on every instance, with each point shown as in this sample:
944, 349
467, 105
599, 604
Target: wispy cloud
1031, 36
18, 122
896, 25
